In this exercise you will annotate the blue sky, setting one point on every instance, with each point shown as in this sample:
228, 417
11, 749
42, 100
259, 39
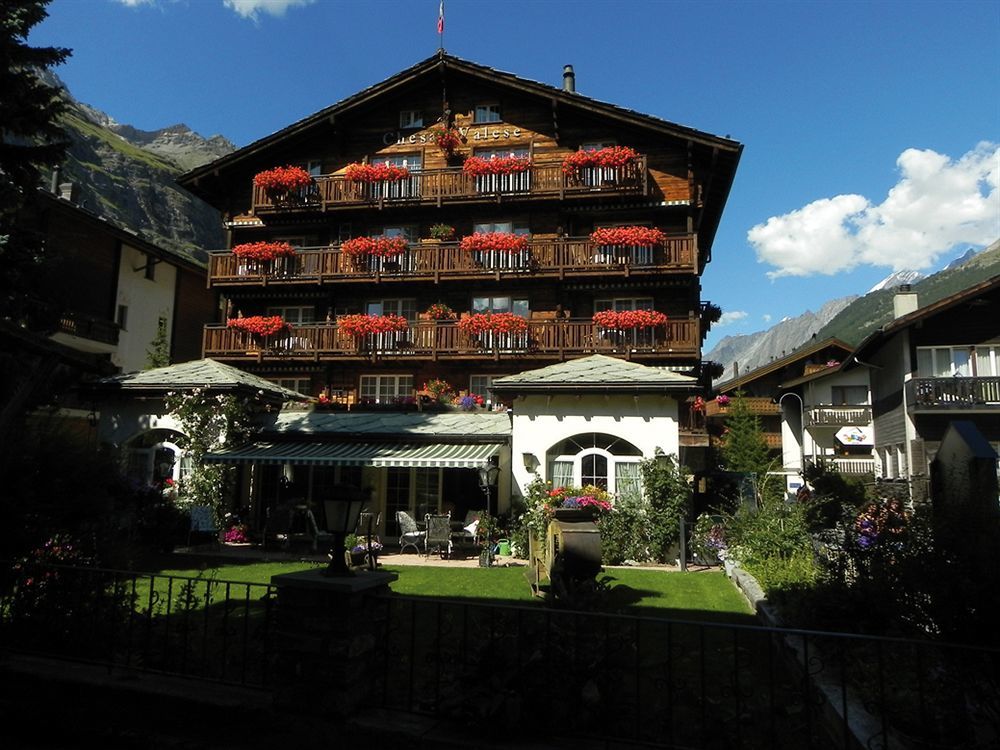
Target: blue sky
871, 129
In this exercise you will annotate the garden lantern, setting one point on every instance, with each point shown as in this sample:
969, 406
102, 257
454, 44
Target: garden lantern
343, 509
487, 481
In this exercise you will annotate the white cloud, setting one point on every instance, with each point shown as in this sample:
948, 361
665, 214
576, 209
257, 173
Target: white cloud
252, 9
766, 318
728, 318
136, 3
937, 203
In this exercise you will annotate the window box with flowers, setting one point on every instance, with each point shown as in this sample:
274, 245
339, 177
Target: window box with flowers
600, 167
499, 174
626, 245
260, 331
439, 312
374, 332
442, 233
379, 181
264, 258
496, 331
382, 254
577, 504
498, 250
634, 328
284, 185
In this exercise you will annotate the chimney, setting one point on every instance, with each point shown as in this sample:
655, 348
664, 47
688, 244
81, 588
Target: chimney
904, 301
569, 79
68, 191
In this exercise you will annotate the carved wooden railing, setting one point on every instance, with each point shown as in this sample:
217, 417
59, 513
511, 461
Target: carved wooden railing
555, 338
87, 327
545, 180
953, 393
545, 258
838, 415
759, 405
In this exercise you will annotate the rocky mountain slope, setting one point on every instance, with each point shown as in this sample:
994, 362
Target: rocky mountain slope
851, 318
128, 175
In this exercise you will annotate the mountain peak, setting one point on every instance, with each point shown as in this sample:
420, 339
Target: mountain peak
897, 278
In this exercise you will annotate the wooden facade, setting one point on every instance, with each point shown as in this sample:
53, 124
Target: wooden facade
678, 183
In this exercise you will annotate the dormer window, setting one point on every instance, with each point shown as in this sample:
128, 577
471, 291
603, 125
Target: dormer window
487, 113
411, 118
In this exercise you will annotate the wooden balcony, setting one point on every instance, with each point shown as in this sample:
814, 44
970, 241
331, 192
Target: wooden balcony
558, 258
758, 405
92, 329
953, 394
452, 185
838, 416
557, 339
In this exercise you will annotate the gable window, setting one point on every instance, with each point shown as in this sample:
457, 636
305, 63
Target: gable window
411, 118
386, 389
487, 113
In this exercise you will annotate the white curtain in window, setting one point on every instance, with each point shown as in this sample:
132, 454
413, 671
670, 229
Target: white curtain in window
628, 481
562, 473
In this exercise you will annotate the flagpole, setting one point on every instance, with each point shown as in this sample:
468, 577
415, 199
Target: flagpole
440, 26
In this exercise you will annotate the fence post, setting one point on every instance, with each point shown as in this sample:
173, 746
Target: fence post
325, 639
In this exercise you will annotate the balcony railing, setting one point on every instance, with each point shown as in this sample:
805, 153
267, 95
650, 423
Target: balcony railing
547, 339
436, 186
840, 416
86, 327
759, 405
940, 394
545, 258
853, 465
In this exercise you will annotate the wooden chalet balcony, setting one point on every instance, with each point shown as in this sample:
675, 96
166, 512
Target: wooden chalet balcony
759, 405
852, 465
555, 258
452, 185
431, 340
840, 416
86, 327
953, 394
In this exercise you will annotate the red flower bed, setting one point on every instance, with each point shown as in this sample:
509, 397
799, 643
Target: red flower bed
504, 242
623, 319
376, 173
447, 139
387, 247
612, 156
627, 236
261, 325
282, 179
478, 323
263, 250
477, 166
363, 325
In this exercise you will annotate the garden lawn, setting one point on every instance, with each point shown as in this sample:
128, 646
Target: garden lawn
702, 595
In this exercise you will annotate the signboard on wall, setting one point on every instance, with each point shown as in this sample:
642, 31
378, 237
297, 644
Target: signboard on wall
855, 436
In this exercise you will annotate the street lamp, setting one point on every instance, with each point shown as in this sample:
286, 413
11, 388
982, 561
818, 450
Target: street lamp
487, 481
342, 511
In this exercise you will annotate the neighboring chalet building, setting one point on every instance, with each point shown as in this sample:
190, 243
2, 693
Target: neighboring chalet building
458, 225
931, 366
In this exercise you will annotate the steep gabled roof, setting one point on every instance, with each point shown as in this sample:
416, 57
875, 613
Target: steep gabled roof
595, 373
801, 353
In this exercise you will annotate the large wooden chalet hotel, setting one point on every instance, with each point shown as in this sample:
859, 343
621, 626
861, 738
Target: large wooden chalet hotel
460, 231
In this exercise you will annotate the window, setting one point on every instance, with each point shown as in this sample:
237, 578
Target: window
848, 395
301, 385
944, 361
409, 232
501, 151
987, 361
623, 303
405, 307
151, 267
596, 145
122, 317
314, 167
411, 161
501, 304
487, 113
411, 118
386, 389
479, 385
295, 314
599, 459
506, 227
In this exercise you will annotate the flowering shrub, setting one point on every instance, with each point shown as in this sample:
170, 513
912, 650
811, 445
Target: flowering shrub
479, 323
263, 250
627, 236
468, 403
376, 172
386, 247
440, 311
442, 232
439, 389
722, 400
261, 325
612, 156
236, 534
363, 325
447, 139
477, 166
363, 547
624, 319
282, 179
504, 242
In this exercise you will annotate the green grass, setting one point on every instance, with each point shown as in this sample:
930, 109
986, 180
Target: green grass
704, 595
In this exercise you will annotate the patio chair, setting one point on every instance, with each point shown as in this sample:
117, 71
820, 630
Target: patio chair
438, 534
409, 534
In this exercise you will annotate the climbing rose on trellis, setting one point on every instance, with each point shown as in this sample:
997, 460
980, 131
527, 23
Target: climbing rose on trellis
627, 236
505, 242
387, 247
262, 325
263, 250
282, 178
623, 319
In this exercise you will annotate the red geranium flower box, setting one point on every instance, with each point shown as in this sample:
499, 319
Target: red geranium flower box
387, 247
376, 172
627, 236
263, 250
612, 156
478, 166
363, 325
260, 325
504, 242
282, 179
479, 323
626, 319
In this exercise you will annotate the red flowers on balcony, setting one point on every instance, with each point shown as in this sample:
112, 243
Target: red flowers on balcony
259, 325
627, 236
612, 156
479, 323
447, 139
627, 319
386, 247
376, 172
440, 311
477, 166
282, 179
263, 250
364, 325
504, 242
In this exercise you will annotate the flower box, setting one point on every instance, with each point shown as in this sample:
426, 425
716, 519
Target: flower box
496, 165
479, 323
610, 157
263, 250
384, 247
259, 325
364, 325
503, 242
627, 237
376, 172
280, 182
629, 319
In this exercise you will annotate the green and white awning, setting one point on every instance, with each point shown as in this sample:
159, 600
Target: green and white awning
441, 455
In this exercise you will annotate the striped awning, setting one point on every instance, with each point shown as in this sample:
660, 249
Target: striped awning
445, 455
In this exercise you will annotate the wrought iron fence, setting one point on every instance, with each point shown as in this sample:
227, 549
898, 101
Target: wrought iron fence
680, 684
194, 627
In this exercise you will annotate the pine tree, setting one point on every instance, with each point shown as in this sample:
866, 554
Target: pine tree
158, 354
744, 449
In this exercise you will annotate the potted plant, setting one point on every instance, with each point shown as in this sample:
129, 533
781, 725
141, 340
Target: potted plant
442, 232
439, 311
447, 139
439, 390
